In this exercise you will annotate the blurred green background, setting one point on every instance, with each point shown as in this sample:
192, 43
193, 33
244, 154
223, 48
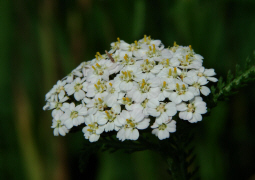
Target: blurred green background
43, 40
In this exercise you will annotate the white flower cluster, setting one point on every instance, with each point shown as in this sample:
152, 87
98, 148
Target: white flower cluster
128, 89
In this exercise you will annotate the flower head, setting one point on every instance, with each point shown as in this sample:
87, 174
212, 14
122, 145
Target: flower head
130, 88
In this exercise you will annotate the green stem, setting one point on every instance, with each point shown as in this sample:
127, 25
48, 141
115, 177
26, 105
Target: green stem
231, 85
178, 154
177, 167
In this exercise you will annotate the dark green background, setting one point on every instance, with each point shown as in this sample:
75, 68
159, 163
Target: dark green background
41, 41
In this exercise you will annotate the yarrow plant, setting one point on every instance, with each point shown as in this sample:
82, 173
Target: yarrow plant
133, 89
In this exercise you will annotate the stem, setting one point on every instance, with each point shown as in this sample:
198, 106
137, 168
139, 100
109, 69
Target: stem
178, 153
177, 167
232, 85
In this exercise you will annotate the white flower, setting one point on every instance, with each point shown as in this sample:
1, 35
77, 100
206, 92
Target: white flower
83, 65
188, 58
96, 104
76, 88
130, 122
57, 90
190, 62
128, 102
113, 93
74, 115
166, 87
143, 106
58, 104
192, 111
136, 49
94, 127
128, 77
197, 84
95, 89
146, 89
207, 73
110, 117
168, 63
128, 60
58, 124
115, 45
101, 70
162, 130
161, 110
182, 93
148, 41
69, 78
155, 53
147, 67
171, 73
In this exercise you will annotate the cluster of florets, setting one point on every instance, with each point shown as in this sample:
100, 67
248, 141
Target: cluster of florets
131, 88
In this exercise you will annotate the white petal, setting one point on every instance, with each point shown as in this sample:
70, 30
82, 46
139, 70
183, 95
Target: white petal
153, 93
205, 90
185, 115
143, 124
157, 68
194, 90
166, 93
201, 109
56, 131
120, 121
187, 96
162, 118
69, 123
79, 95
61, 94
213, 79
62, 132
171, 109
153, 112
137, 96
162, 97
81, 119
202, 81
134, 135
153, 103
124, 86
137, 115
125, 114
100, 130
188, 80
209, 72
116, 108
109, 126
197, 116
175, 98
171, 127
163, 134
155, 132
94, 138
83, 111
121, 135
181, 107
76, 122
155, 125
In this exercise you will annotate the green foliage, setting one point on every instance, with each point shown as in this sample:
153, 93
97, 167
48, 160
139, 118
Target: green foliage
233, 82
